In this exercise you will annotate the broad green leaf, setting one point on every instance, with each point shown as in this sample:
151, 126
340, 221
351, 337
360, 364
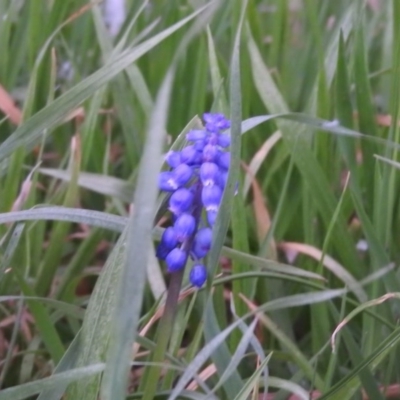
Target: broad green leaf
97, 325
67, 363
133, 275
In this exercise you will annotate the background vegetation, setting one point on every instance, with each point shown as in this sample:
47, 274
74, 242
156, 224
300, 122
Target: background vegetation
311, 238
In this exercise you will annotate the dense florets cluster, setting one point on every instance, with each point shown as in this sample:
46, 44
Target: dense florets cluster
196, 182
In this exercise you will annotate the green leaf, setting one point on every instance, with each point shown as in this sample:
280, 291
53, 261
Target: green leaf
66, 308
252, 381
221, 356
94, 218
133, 277
102, 184
48, 332
200, 359
289, 386
351, 383
97, 325
67, 363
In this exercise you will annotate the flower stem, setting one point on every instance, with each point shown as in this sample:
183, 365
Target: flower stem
164, 331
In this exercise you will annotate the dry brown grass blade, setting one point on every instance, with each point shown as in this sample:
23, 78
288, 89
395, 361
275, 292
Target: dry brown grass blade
8, 107
23, 194
328, 262
259, 157
79, 114
81, 11
390, 392
381, 119
261, 213
207, 373
371, 303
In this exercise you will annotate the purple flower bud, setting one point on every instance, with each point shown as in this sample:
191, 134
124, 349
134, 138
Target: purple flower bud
189, 155
211, 117
224, 140
198, 275
211, 217
209, 173
211, 127
215, 122
223, 179
173, 158
195, 135
202, 242
167, 182
182, 174
199, 145
223, 124
184, 226
169, 238
211, 197
224, 160
213, 139
176, 260
180, 201
210, 152
162, 251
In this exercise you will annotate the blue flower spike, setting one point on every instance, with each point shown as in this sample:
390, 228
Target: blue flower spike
196, 182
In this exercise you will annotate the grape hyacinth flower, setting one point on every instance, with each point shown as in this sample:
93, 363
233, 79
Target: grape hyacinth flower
196, 181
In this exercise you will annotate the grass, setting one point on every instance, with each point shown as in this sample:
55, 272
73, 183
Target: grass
304, 253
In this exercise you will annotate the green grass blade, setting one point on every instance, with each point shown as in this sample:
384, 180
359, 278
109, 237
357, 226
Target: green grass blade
29, 389
350, 382
289, 386
102, 184
199, 360
97, 325
252, 381
238, 355
94, 218
47, 330
221, 356
66, 363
